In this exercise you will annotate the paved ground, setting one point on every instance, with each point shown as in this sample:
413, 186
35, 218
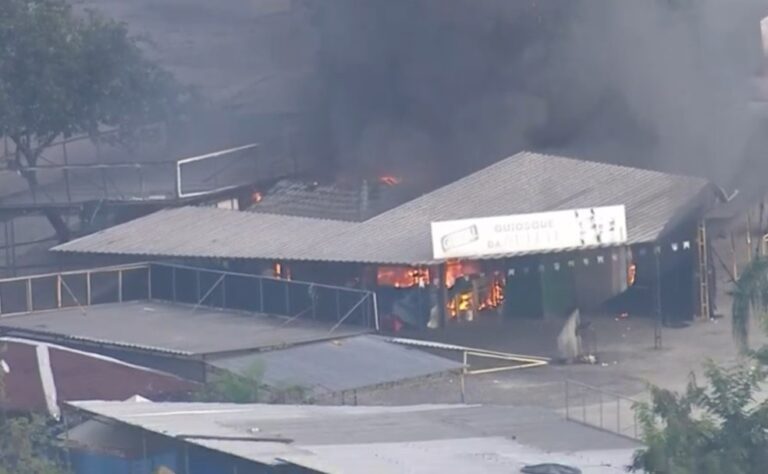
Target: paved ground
628, 363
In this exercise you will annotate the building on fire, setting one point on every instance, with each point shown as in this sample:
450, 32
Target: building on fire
531, 236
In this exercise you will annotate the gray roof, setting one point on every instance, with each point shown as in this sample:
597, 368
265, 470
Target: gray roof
164, 327
339, 365
325, 201
524, 183
426, 438
212, 232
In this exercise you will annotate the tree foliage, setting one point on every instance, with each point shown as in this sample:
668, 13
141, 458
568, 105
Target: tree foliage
712, 429
64, 72
27, 444
750, 298
27, 447
248, 387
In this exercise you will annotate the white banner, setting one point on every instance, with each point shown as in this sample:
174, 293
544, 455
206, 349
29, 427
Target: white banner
527, 233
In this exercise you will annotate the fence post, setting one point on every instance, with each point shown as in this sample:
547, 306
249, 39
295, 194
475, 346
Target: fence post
634, 415
66, 171
58, 290
224, 292
87, 288
119, 286
618, 415
602, 426
149, 282
261, 295
376, 311
567, 404
338, 305
287, 298
198, 285
173, 284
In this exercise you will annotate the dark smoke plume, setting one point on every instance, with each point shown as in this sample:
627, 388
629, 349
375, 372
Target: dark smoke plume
457, 84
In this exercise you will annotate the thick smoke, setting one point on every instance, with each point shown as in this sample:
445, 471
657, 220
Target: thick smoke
457, 84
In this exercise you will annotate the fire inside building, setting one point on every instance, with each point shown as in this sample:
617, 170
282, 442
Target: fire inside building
532, 236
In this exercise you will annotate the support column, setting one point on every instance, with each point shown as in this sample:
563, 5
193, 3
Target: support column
442, 297
659, 320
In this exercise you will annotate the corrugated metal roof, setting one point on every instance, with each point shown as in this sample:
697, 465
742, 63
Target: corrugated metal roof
168, 328
76, 375
346, 364
419, 439
524, 183
211, 232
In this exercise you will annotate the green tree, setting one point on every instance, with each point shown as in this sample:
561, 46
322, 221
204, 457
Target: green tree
750, 299
27, 446
65, 73
713, 429
721, 426
27, 443
248, 387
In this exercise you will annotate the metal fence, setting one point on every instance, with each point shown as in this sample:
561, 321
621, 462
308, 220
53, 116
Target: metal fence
192, 286
601, 409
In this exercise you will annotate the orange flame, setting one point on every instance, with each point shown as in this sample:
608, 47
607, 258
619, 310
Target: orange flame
390, 180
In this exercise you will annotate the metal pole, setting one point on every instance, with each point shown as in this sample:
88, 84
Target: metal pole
87, 288
12, 245
224, 292
173, 284
618, 415
635, 420
197, 282
119, 286
657, 342
29, 295
66, 171
338, 305
567, 404
601, 410
463, 377
287, 299
261, 295
376, 311
149, 282
144, 450
58, 291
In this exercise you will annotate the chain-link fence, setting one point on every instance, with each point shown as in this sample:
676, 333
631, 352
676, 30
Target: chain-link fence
191, 286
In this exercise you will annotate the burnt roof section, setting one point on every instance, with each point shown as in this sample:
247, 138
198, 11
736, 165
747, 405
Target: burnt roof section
344, 202
169, 328
524, 183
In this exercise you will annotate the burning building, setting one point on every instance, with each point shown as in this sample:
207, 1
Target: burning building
640, 242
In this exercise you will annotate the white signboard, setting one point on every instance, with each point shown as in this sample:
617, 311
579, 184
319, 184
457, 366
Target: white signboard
530, 233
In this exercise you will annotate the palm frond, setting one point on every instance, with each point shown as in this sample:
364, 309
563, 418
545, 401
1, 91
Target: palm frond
750, 295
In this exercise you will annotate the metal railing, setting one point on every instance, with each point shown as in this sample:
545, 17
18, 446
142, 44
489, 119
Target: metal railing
198, 287
107, 172
598, 408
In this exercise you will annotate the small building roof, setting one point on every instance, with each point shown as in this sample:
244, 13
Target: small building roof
425, 438
40, 374
170, 328
524, 183
339, 365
